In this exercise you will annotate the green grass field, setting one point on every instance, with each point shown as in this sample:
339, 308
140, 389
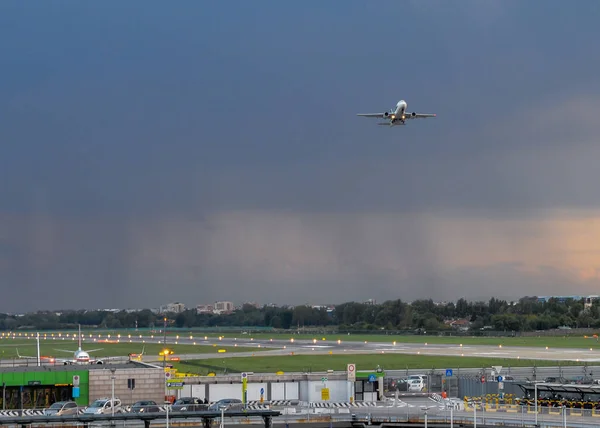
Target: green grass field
536, 341
8, 348
299, 363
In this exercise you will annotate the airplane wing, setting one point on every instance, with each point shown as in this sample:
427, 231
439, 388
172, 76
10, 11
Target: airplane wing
379, 115
420, 115
94, 350
24, 356
64, 350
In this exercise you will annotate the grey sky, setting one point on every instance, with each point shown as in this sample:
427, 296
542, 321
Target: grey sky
195, 152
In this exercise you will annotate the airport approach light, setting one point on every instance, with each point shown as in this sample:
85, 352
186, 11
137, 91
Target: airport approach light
205, 338
259, 345
270, 340
425, 343
394, 343
191, 337
365, 341
177, 337
591, 349
314, 340
292, 340
251, 339
339, 341
194, 343
461, 345
546, 348
284, 347
499, 346
235, 344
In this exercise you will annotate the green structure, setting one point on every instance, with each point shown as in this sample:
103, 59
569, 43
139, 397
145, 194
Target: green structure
38, 389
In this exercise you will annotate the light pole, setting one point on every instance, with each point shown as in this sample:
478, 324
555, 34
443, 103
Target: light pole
167, 403
564, 409
222, 425
535, 401
112, 403
475, 414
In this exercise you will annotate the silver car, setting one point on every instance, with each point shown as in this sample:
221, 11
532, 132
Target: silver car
62, 408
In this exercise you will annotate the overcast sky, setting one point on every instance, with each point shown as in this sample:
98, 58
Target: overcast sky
153, 152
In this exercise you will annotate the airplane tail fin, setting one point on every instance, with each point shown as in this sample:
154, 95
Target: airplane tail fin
79, 337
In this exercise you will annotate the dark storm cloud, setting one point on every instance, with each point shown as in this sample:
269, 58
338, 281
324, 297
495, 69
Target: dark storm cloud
196, 153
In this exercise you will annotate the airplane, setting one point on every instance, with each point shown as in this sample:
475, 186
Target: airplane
397, 115
79, 356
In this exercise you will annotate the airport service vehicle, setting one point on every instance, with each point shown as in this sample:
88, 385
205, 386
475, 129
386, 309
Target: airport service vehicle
62, 408
103, 406
397, 115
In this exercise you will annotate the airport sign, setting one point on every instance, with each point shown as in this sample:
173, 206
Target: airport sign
448, 372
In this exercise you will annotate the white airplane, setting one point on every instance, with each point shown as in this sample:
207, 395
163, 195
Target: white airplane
79, 356
397, 115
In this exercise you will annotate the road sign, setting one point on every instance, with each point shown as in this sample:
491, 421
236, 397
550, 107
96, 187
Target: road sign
244, 376
351, 372
448, 372
500, 385
76, 380
372, 378
175, 385
262, 391
325, 394
482, 379
500, 378
168, 375
75, 392
323, 379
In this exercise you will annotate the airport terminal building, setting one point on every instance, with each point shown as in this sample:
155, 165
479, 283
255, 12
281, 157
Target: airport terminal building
39, 387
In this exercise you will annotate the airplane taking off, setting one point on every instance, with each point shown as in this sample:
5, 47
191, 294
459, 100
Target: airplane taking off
397, 115
79, 356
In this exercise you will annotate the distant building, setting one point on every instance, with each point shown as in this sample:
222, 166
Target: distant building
205, 309
587, 300
223, 307
173, 307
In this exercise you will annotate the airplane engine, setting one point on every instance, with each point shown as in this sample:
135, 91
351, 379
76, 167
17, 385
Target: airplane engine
386, 114
99, 362
413, 114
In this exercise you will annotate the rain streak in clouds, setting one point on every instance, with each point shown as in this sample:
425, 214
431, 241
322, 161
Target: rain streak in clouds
213, 153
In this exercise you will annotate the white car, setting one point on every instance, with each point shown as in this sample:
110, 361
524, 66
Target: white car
102, 406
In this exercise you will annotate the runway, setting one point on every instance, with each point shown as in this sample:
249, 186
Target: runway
281, 347
322, 347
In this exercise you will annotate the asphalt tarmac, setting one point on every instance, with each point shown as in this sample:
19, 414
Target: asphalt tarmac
309, 347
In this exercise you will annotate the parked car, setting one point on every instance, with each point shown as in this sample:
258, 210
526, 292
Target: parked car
189, 404
228, 403
145, 406
62, 408
103, 406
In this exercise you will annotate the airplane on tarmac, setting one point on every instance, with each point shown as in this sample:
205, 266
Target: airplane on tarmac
79, 356
397, 115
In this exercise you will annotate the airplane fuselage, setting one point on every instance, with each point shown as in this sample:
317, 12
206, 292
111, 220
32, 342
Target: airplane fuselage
398, 113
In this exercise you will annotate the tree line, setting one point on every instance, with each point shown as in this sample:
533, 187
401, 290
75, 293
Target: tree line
420, 316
